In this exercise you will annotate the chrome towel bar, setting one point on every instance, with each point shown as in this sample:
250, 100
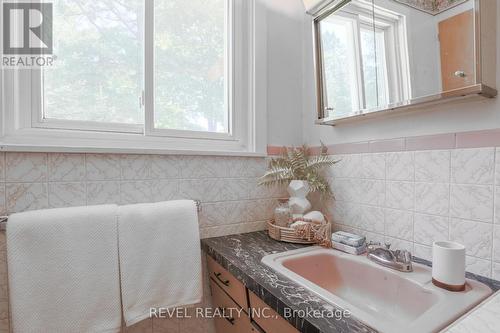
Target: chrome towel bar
4, 219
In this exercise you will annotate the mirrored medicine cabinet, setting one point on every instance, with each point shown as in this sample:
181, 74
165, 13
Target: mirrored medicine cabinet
373, 57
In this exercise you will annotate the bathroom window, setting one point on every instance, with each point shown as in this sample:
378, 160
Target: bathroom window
162, 69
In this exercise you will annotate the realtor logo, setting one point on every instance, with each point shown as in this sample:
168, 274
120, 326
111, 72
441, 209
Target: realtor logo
27, 28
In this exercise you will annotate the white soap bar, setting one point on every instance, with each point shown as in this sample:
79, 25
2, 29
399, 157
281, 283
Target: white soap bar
349, 249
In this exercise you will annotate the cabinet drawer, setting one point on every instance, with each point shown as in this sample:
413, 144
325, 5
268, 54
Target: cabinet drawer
269, 320
236, 321
227, 282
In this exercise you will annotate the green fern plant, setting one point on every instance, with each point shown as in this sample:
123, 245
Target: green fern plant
298, 164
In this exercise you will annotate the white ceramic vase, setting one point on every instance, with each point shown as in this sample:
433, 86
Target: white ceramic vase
298, 191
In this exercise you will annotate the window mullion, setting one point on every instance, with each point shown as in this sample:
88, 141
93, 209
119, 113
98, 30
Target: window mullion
149, 66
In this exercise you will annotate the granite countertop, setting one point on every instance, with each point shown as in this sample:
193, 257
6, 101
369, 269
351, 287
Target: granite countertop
241, 255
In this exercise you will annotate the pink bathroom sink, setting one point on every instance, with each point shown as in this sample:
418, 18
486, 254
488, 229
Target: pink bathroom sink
385, 299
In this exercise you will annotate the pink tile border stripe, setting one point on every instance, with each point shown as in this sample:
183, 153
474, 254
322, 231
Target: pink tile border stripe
473, 139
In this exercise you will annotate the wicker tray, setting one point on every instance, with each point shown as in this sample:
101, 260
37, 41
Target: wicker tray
319, 234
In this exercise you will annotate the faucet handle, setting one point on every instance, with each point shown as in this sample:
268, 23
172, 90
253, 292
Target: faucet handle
387, 245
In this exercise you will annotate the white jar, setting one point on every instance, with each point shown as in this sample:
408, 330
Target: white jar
448, 265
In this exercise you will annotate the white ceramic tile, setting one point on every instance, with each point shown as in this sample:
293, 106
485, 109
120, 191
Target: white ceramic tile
399, 224
2, 166
195, 167
476, 236
132, 192
472, 202
348, 166
213, 190
223, 213
135, 167
26, 167
432, 198
232, 229
399, 244
370, 192
373, 166
432, 166
496, 271
371, 218
66, 167
103, 167
165, 190
422, 251
166, 166
400, 166
67, 195
347, 189
497, 166
478, 266
257, 191
21, 197
254, 166
99, 193
261, 210
3, 209
497, 205
473, 166
346, 213
430, 229
400, 195
496, 243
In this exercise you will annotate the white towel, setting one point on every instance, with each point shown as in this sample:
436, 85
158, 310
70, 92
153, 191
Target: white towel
160, 257
63, 270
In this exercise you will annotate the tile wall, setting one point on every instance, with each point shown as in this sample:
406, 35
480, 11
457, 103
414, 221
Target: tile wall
227, 186
413, 198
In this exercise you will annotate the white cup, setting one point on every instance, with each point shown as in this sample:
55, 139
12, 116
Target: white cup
448, 265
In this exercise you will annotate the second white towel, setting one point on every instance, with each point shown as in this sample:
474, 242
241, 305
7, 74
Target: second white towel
160, 257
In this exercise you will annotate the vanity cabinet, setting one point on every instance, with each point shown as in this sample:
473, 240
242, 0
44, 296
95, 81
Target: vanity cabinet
255, 316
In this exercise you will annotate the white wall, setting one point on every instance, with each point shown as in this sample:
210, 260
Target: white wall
447, 118
284, 66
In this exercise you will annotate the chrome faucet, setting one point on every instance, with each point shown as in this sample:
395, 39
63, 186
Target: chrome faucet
399, 259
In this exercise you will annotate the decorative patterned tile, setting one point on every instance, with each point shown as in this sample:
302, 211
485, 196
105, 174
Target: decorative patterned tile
99, 193
257, 191
496, 271
67, 195
196, 167
261, 210
2, 166
165, 190
254, 167
373, 166
133, 192
103, 167
422, 252
3, 210
496, 244
400, 195
476, 236
432, 166
135, 167
22, 197
66, 167
432, 198
473, 166
349, 166
371, 218
223, 213
399, 244
497, 204
166, 166
478, 266
400, 166
430, 229
214, 190
399, 224
370, 192
472, 202
232, 229
26, 167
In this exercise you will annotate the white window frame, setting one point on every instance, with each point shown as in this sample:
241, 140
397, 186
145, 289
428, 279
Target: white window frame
22, 103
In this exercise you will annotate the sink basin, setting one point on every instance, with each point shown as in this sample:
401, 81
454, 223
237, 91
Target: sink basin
386, 300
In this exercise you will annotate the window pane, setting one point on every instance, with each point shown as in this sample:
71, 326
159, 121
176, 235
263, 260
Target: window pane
190, 65
374, 68
339, 58
98, 73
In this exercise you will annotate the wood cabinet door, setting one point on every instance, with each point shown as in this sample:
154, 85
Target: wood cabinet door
457, 48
